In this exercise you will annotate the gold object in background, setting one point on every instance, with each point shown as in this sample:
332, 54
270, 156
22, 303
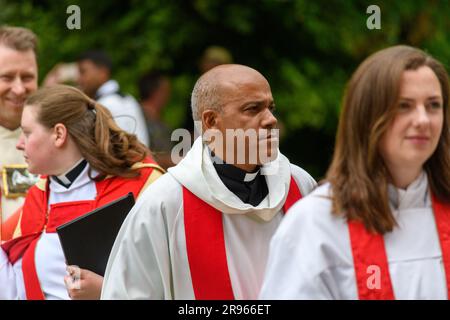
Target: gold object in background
17, 180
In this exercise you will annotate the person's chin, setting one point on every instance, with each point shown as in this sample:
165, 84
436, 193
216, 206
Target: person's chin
267, 157
413, 160
32, 169
269, 145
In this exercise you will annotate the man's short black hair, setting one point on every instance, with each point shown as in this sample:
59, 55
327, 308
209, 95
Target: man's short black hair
98, 57
149, 83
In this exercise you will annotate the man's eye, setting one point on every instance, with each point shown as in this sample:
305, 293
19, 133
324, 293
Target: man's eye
28, 78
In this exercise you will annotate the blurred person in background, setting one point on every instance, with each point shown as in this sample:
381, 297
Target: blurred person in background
62, 73
154, 91
213, 56
18, 79
95, 79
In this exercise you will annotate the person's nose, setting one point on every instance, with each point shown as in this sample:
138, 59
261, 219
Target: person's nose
421, 116
20, 145
18, 87
269, 120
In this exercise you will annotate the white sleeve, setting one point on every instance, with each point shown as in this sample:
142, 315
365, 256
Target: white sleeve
8, 287
286, 277
301, 256
305, 182
139, 264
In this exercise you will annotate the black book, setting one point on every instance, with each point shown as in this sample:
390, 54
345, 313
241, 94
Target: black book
87, 241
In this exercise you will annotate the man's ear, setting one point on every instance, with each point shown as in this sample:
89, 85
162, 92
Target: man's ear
209, 119
60, 133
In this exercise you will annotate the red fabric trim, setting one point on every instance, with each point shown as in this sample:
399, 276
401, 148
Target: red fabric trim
10, 225
293, 195
442, 217
30, 277
369, 251
35, 215
34, 210
205, 245
206, 252
114, 188
35, 207
61, 213
15, 248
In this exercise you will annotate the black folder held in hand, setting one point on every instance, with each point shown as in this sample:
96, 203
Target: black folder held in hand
87, 241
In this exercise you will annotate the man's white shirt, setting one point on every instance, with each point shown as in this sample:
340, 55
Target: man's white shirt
125, 110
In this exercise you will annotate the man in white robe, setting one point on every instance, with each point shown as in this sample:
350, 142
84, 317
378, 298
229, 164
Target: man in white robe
18, 78
95, 79
151, 258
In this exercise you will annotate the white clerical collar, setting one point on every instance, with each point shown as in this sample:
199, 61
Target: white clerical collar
250, 176
83, 179
68, 177
230, 171
414, 196
204, 181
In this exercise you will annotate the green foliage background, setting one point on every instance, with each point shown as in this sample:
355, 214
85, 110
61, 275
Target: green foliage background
306, 49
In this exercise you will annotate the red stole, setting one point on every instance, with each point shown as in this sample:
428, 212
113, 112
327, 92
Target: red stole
9, 226
35, 220
368, 250
205, 244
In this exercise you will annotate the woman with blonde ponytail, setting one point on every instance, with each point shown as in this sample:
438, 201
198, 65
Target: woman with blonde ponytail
85, 161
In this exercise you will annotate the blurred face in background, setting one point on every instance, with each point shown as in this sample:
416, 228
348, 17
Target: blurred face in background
91, 77
18, 78
165, 92
162, 94
413, 135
